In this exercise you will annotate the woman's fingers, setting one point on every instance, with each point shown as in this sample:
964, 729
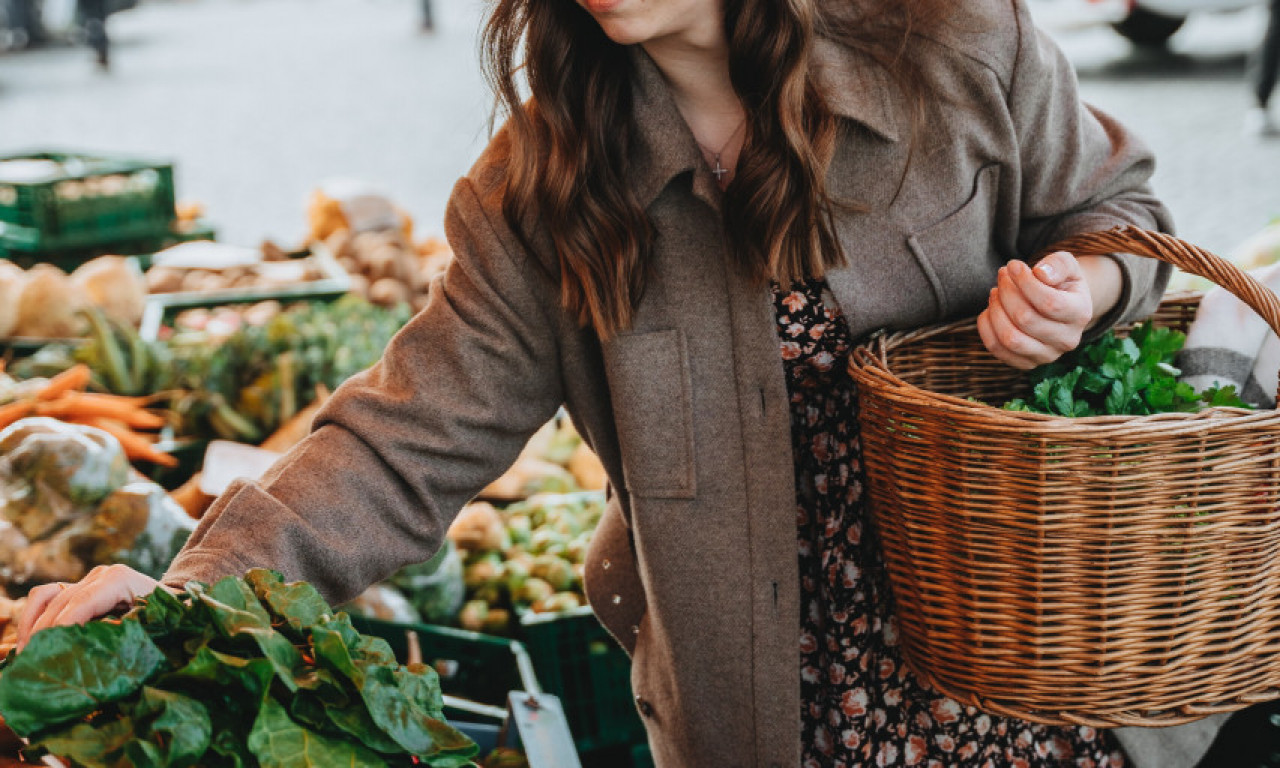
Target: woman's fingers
1056, 288
37, 600
1051, 316
105, 589
1007, 341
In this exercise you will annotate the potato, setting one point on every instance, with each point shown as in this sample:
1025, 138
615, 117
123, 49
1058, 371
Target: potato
12, 279
164, 280
115, 285
388, 292
383, 261
50, 304
479, 527
359, 285
339, 244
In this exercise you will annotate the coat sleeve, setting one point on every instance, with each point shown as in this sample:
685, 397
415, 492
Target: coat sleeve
1082, 171
401, 447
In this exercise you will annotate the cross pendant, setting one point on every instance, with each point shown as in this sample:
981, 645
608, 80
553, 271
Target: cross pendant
719, 171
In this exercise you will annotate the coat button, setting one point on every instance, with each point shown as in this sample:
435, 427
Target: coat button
644, 706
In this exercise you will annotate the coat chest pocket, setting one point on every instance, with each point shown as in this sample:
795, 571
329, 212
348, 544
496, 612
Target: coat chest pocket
957, 252
649, 383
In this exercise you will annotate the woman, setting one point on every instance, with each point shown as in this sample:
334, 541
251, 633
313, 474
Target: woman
678, 238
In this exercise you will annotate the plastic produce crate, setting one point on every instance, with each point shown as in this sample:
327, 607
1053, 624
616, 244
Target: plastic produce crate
472, 666
91, 202
573, 657
577, 660
161, 308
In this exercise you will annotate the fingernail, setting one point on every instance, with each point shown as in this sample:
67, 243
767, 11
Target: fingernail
1047, 271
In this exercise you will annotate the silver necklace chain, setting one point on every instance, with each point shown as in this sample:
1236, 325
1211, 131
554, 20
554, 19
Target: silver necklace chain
719, 171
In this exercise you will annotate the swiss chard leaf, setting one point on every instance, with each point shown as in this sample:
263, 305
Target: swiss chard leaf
101, 746
399, 700
234, 609
297, 603
278, 742
67, 672
173, 730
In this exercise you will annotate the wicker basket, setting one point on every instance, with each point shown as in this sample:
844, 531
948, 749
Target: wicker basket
1109, 570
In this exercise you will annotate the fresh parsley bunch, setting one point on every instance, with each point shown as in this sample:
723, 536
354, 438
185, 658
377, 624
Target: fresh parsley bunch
1133, 375
246, 673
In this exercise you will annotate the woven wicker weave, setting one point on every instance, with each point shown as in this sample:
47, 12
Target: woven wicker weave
1110, 570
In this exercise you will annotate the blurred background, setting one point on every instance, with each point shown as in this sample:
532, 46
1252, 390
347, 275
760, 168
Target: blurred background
258, 101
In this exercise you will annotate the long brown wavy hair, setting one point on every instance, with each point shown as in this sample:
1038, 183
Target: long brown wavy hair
568, 154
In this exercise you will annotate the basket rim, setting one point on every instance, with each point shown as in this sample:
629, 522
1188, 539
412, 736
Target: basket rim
876, 375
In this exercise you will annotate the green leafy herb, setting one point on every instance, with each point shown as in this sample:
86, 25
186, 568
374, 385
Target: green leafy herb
1113, 375
245, 673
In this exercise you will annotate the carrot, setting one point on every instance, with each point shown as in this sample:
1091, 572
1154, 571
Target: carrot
14, 411
72, 406
74, 379
137, 447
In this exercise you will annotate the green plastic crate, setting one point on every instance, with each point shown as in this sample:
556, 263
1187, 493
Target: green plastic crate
98, 201
573, 656
577, 660
472, 666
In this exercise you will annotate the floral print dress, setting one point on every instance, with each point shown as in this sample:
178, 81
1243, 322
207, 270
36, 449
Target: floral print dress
860, 704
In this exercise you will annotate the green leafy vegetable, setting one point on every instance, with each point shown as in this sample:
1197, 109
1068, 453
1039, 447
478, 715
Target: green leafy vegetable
73, 671
1133, 375
245, 673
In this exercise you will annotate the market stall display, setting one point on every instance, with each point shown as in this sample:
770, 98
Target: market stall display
43, 302
237, 387
59, 205
248, 671
511, 568
69, 502
237, 344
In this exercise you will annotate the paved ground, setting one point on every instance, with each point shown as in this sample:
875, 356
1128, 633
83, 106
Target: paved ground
1188, 103
259, 100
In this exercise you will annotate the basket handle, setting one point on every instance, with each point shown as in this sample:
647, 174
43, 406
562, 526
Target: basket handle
1184, 256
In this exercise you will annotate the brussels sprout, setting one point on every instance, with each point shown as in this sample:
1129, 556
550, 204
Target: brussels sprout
544, 539
497, 622
555, 571
520, 527
515, 572
558, 603
577, 549
473, 615
481, 572
533, 591
492, 592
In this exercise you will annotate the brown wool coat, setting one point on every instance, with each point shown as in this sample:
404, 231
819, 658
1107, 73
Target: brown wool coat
694, 567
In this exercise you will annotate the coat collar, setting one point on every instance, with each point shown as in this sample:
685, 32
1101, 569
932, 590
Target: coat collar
854, 86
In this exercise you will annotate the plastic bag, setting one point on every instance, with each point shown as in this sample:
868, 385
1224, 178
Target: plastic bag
385, 602
66, 505
139, 526
435, 587
52, 472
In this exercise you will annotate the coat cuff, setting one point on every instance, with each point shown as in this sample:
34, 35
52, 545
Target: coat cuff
205, 565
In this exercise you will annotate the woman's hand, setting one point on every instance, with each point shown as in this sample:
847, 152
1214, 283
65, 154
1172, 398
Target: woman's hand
103, 590
1035, 315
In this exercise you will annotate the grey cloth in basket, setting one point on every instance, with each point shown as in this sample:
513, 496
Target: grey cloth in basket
1229, 344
